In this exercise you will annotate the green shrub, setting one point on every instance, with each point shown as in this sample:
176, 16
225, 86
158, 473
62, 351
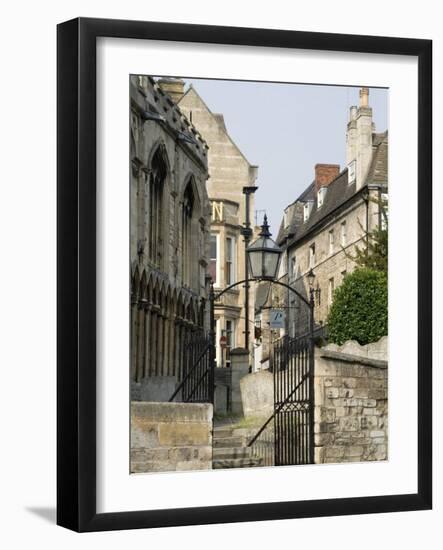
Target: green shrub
359, 310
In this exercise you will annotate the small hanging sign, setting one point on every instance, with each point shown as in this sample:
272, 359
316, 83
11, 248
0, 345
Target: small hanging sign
277, 318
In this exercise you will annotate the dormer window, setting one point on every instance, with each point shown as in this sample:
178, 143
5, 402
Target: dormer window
307, 210
321, 196
352, 172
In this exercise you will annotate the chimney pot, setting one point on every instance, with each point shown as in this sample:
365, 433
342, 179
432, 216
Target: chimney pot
364, 97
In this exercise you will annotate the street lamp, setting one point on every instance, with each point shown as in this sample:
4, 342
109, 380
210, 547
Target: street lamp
264, 255
311, 277
313, 293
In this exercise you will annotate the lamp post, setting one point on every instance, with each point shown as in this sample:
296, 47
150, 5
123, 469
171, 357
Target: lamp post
247, 234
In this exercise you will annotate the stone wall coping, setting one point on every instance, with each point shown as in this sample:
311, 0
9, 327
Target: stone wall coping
374, 350
348, 358
239, 351
255, 375
172, 412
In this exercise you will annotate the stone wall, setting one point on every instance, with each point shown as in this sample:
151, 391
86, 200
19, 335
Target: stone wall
257, 392
351, 402
170, 437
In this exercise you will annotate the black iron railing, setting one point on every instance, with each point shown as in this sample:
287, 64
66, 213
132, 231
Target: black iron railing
197, 384
263, 444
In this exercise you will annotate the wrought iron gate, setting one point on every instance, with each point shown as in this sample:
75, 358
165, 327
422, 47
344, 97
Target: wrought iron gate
287, 437
293, 401
197, 380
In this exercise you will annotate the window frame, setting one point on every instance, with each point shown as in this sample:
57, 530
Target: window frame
217, 257
230, 265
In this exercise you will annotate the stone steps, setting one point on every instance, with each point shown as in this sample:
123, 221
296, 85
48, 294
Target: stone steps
230, 452
229, 449
222, 432
236, 463
232, 441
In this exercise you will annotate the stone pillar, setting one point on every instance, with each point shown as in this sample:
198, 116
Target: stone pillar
240, 368
147, 364
160, 323
183, 343
166, 344
172, 367
140, 342
178, 355
133, 340
154, 327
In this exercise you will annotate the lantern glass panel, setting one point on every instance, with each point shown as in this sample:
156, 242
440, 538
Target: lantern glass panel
255, 263
270, 264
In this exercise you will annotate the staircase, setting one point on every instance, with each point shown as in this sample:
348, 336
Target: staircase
229, 449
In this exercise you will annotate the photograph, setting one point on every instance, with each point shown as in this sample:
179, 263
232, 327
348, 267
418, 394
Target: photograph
258, 273
269, 352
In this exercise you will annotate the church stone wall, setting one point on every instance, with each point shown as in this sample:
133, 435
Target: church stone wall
168, 287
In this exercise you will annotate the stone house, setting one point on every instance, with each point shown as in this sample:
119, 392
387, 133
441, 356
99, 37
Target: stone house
170, 219
321, 229
229, 173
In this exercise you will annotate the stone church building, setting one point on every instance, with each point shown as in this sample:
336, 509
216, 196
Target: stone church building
170, 224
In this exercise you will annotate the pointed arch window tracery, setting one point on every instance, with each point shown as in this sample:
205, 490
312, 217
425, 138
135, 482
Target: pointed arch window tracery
188, 252
156, 184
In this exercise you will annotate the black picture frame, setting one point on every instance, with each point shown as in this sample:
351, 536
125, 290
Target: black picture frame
76, 279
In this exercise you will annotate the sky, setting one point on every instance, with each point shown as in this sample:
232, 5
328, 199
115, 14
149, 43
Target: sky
286, 129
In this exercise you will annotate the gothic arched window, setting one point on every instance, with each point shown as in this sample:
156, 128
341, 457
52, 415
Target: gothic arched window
188, 254
156, 184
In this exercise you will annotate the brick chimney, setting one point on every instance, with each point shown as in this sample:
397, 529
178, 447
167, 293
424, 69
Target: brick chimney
175, 87
324, 174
